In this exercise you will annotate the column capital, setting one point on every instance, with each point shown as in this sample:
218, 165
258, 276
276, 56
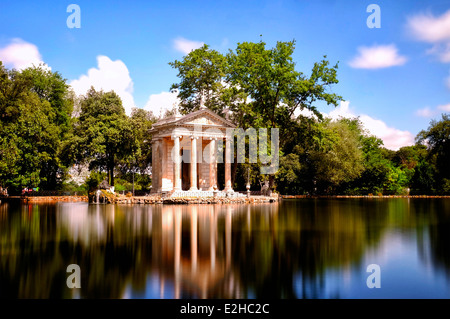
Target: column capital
194, 137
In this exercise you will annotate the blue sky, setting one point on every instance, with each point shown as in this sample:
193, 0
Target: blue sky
396, 77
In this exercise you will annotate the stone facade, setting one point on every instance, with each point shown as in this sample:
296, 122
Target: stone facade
186, 150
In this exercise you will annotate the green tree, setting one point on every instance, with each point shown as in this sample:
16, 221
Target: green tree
437, 137
134, 167
202, 72
35, 107
259, 85
141, 123
52, 87
288, 176
103, 135
339, 158
274, 89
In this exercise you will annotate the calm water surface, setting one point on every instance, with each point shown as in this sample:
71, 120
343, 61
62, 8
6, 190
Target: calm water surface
308, 248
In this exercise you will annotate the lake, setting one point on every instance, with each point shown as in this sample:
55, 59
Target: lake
303, 248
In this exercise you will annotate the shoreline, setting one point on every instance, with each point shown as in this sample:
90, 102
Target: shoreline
193, 200
147, 199
363, 196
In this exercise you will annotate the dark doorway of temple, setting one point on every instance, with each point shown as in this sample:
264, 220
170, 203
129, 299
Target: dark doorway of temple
185, 170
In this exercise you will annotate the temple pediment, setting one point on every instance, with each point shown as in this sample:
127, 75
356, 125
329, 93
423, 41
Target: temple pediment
199, 117
204, 117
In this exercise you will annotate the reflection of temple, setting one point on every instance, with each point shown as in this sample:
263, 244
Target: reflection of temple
185, 249
201, 261
185, 152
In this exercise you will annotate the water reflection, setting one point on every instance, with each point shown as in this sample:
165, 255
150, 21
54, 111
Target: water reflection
296, 249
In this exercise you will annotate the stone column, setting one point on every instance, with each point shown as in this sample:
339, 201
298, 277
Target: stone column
193, 163
212, 165
177, 163
228, 164
158, 166
163, 177
154, 157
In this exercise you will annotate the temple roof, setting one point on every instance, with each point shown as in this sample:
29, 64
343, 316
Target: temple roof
204, 117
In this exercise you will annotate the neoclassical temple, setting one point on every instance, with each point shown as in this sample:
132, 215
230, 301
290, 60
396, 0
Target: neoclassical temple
186, 150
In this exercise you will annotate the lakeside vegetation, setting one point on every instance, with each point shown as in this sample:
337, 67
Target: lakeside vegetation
45, 129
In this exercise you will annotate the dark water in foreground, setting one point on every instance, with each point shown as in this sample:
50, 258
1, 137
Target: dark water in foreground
307, 248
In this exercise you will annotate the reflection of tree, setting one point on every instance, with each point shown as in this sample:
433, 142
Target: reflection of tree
36, 249
439, 233
29, 254
195, 251
305, 238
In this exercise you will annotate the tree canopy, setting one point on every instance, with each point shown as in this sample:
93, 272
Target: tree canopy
45, 129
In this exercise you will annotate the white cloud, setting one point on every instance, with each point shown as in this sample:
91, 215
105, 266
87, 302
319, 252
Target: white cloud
377, 57
426, 112
393, 138
159, 103
185, 46
429, 112
445, 108
428, 28
20, 54
436, 30
441, 50
109, 75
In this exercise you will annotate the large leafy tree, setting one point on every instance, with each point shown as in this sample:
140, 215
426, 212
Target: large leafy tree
103, 135
202, 72
274, 89
35, 107
437, 137
260, 85
51, 87
339, 158
140, 156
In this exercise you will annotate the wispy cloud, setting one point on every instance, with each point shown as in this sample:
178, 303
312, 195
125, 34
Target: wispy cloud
432, 29
426, 27
20, 54
377, 57
444, 108
426, 112
185, 46
429, 112
109, 75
